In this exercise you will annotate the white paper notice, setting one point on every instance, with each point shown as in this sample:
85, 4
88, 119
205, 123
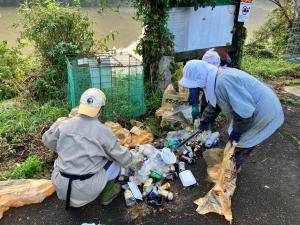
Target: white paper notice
203, 28
178, 25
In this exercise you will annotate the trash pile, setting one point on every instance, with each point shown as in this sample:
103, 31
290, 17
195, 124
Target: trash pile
138, 134
155, 166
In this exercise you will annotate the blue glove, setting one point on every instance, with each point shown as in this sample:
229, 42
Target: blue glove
234, 136
195, 111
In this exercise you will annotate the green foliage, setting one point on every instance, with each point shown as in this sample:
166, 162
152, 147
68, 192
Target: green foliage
24, 123
258, 51
153, 123
12, 70
153, 99
30, 168
274, 33
268, 68
56, 30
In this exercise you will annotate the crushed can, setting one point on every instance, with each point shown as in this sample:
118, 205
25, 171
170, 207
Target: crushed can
186, 159
153, 199
165, 186
166, 194
181, 166
170, 176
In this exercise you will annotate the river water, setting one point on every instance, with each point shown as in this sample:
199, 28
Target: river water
129, 30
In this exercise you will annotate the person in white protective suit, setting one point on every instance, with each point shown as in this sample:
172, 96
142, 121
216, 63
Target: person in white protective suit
89, 155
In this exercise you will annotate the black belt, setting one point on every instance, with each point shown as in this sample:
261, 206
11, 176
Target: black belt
107, 164
71, 178
79, 177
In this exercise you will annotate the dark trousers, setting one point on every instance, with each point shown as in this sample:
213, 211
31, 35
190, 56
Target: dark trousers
241, 154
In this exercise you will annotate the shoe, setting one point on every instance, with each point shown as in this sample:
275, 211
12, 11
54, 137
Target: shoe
110, 192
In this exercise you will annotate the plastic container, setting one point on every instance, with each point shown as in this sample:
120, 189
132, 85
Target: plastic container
212, 140
187, 178
167, 156
177, 135
129, 198
155, 175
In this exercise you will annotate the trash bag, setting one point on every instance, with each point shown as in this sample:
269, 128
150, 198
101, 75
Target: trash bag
223, 174
179, 116
139, 134
16, 193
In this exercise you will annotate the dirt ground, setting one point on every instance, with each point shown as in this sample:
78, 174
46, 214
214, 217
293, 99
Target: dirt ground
267, 193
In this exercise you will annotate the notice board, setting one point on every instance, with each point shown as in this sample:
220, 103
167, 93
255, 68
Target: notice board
203, 28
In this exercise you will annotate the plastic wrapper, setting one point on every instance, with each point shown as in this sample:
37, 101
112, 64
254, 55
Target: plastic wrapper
218, 199
177, 135
16, 193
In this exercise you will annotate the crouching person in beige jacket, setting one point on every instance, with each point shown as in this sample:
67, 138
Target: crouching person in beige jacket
89, 156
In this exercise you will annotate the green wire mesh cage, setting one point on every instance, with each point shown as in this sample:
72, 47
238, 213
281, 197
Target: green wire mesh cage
119, 75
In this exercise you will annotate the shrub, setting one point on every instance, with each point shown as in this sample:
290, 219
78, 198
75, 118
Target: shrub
12, 69
153, 98
30, 168
56, 30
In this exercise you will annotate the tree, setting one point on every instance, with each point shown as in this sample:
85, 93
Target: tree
275, 32
288, 9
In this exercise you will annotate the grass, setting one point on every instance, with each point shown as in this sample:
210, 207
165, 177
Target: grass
268, 69
293, 82
30, 168
24, 121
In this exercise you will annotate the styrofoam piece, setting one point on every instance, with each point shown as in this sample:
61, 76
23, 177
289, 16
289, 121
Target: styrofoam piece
187, 178
167, 156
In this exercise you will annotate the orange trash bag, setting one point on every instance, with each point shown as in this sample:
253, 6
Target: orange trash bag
218, 199
16, 193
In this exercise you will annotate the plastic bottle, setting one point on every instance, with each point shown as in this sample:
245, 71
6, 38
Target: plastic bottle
129, 198
212, 140
122, 174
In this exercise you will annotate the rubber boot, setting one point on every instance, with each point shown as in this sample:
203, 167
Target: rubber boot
110, 192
